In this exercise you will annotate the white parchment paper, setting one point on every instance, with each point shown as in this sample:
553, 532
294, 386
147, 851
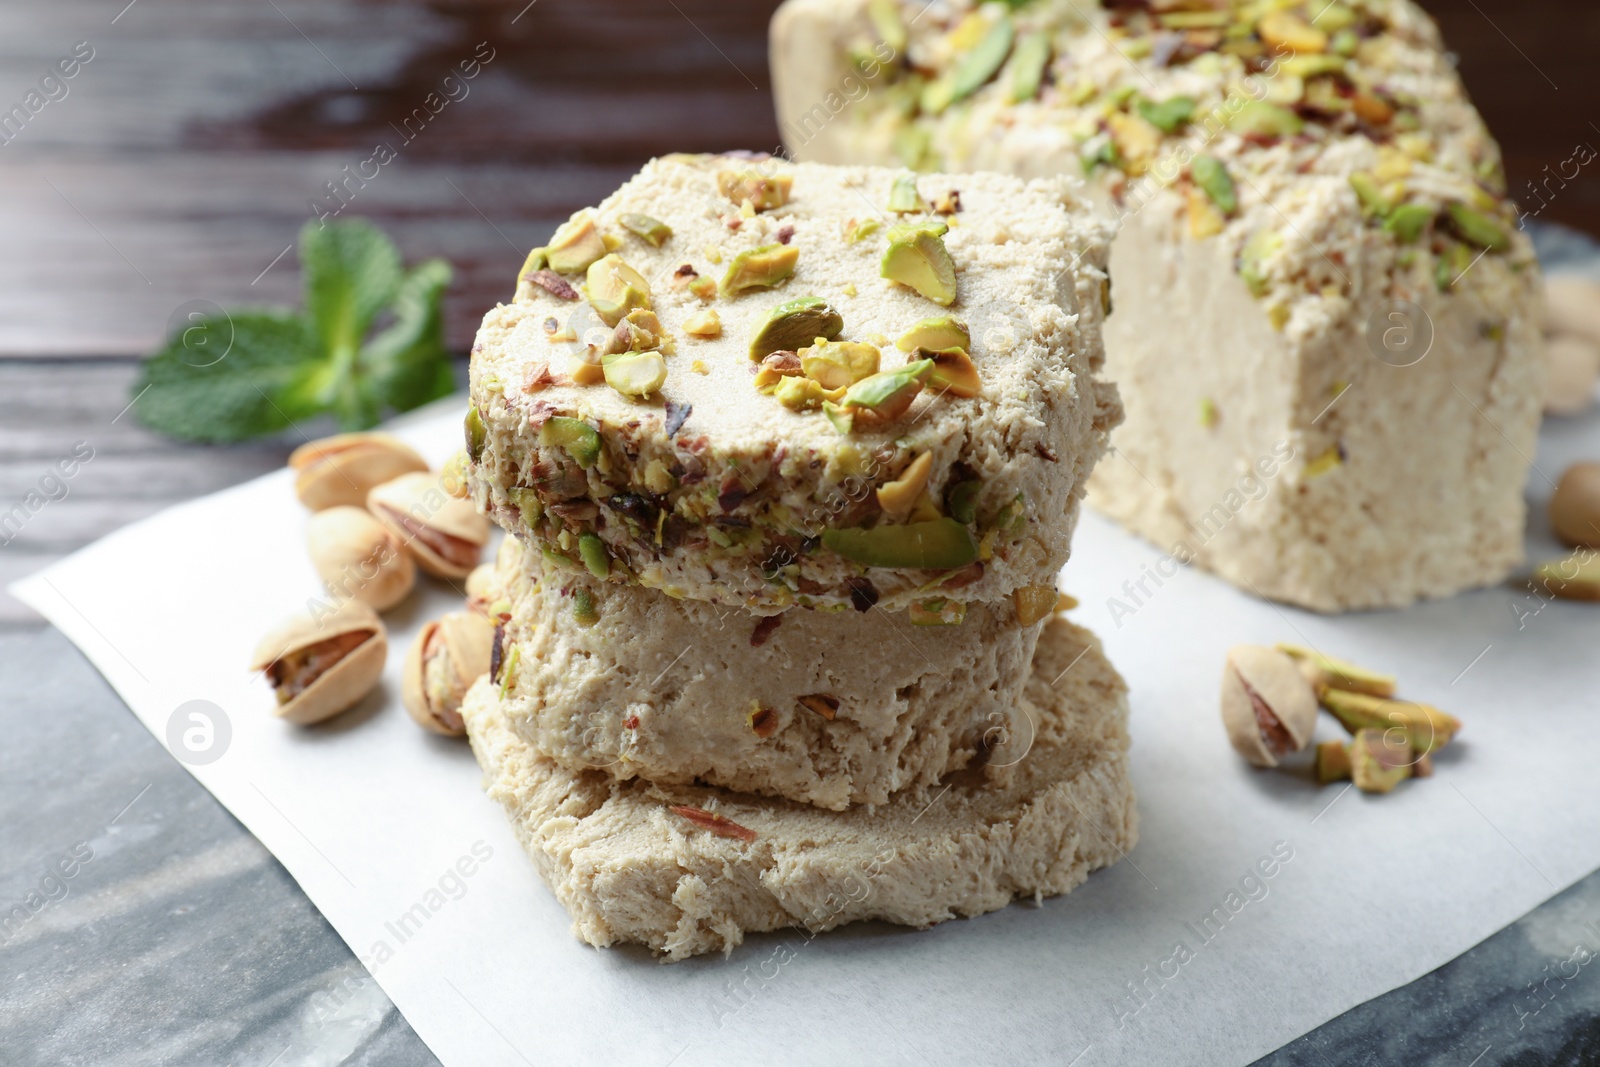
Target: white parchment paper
387, 830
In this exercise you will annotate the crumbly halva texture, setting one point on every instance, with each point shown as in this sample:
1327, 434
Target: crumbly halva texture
832, 708
799, 477
691, 869
1318, 269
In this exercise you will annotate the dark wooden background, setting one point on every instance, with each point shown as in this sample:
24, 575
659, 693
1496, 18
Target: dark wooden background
186, 155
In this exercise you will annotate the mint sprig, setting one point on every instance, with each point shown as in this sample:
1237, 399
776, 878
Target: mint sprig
253, 372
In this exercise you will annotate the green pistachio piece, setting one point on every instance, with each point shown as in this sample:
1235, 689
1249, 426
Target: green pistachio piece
760, 268
1479, 228
651, 229
1379, 761
860, 231
593, 552
1453, 262
1311, 65
1373, 203
1345, 43
939, 611
477, 434
1253, 259
942, 544
799, 394
880, 389
552, 558
841, 420
577, 437
794, 324
1028, 63
1407, 221
616, 289
961, 500
634, 373
1169, 115
538, 259
761, 192
903, 195
1213, 179
527, 502
917, 257
983, 61
838, 364
885, 15
944, 331
936, 96
1260, 119
584, 612
575, 246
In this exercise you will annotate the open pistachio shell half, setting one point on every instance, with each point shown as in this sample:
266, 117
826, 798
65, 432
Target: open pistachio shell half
445, 535
320, 662
446, 658
343, 469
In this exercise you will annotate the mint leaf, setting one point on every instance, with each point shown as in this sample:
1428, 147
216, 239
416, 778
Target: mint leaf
407, 362
258, 372
228, 379
350, 272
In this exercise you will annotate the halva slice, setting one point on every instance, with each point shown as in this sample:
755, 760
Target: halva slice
1327, 325
688, 869
888, 406
831, 708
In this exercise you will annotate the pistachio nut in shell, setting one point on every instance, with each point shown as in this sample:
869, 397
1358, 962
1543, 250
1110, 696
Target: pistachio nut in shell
1575, 507
358, 558
323, 660
343, 469
445, 535
445, 659
1268, 706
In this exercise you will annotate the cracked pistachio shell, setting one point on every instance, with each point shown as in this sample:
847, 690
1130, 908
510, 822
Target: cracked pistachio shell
342, 469
445, 535
322, 661
358, 558
445, 659
1268, 706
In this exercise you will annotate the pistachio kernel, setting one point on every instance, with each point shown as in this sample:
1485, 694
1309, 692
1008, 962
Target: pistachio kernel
938, 611
885, 396
1478, 228
1028, 62
838, 364
1213, 179
1333, 762
1379, 760
903, 195
704, 323
953, 372
1426, 729
1257, 118
1406, 222
795, 323
576, 437
575, 246
584, 611
635, 373
616, 289
1034, 602
593, 552
799, 394
917, 258
961, 500
936, 334
983, 62
774, 368
943, 544
761, 192
760, 268
646, 227
897, 497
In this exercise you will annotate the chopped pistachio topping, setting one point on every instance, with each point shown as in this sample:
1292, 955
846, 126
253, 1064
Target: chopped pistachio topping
1478, 228
897, 497
939, 611
593, 552
615, 289
1408, 221
937, 334
577, 437
649, 228
953, 372
703, 323
916, 257
903, 195
796, 323
575, 246
799, 394
984, 61
838, 364
1028, 62
943, 544
1168, 116
762, 192
635, 373
1213, 179
477, 434
760, 268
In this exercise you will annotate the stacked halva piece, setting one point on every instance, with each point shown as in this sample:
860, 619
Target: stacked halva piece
791, 456
1327, 324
